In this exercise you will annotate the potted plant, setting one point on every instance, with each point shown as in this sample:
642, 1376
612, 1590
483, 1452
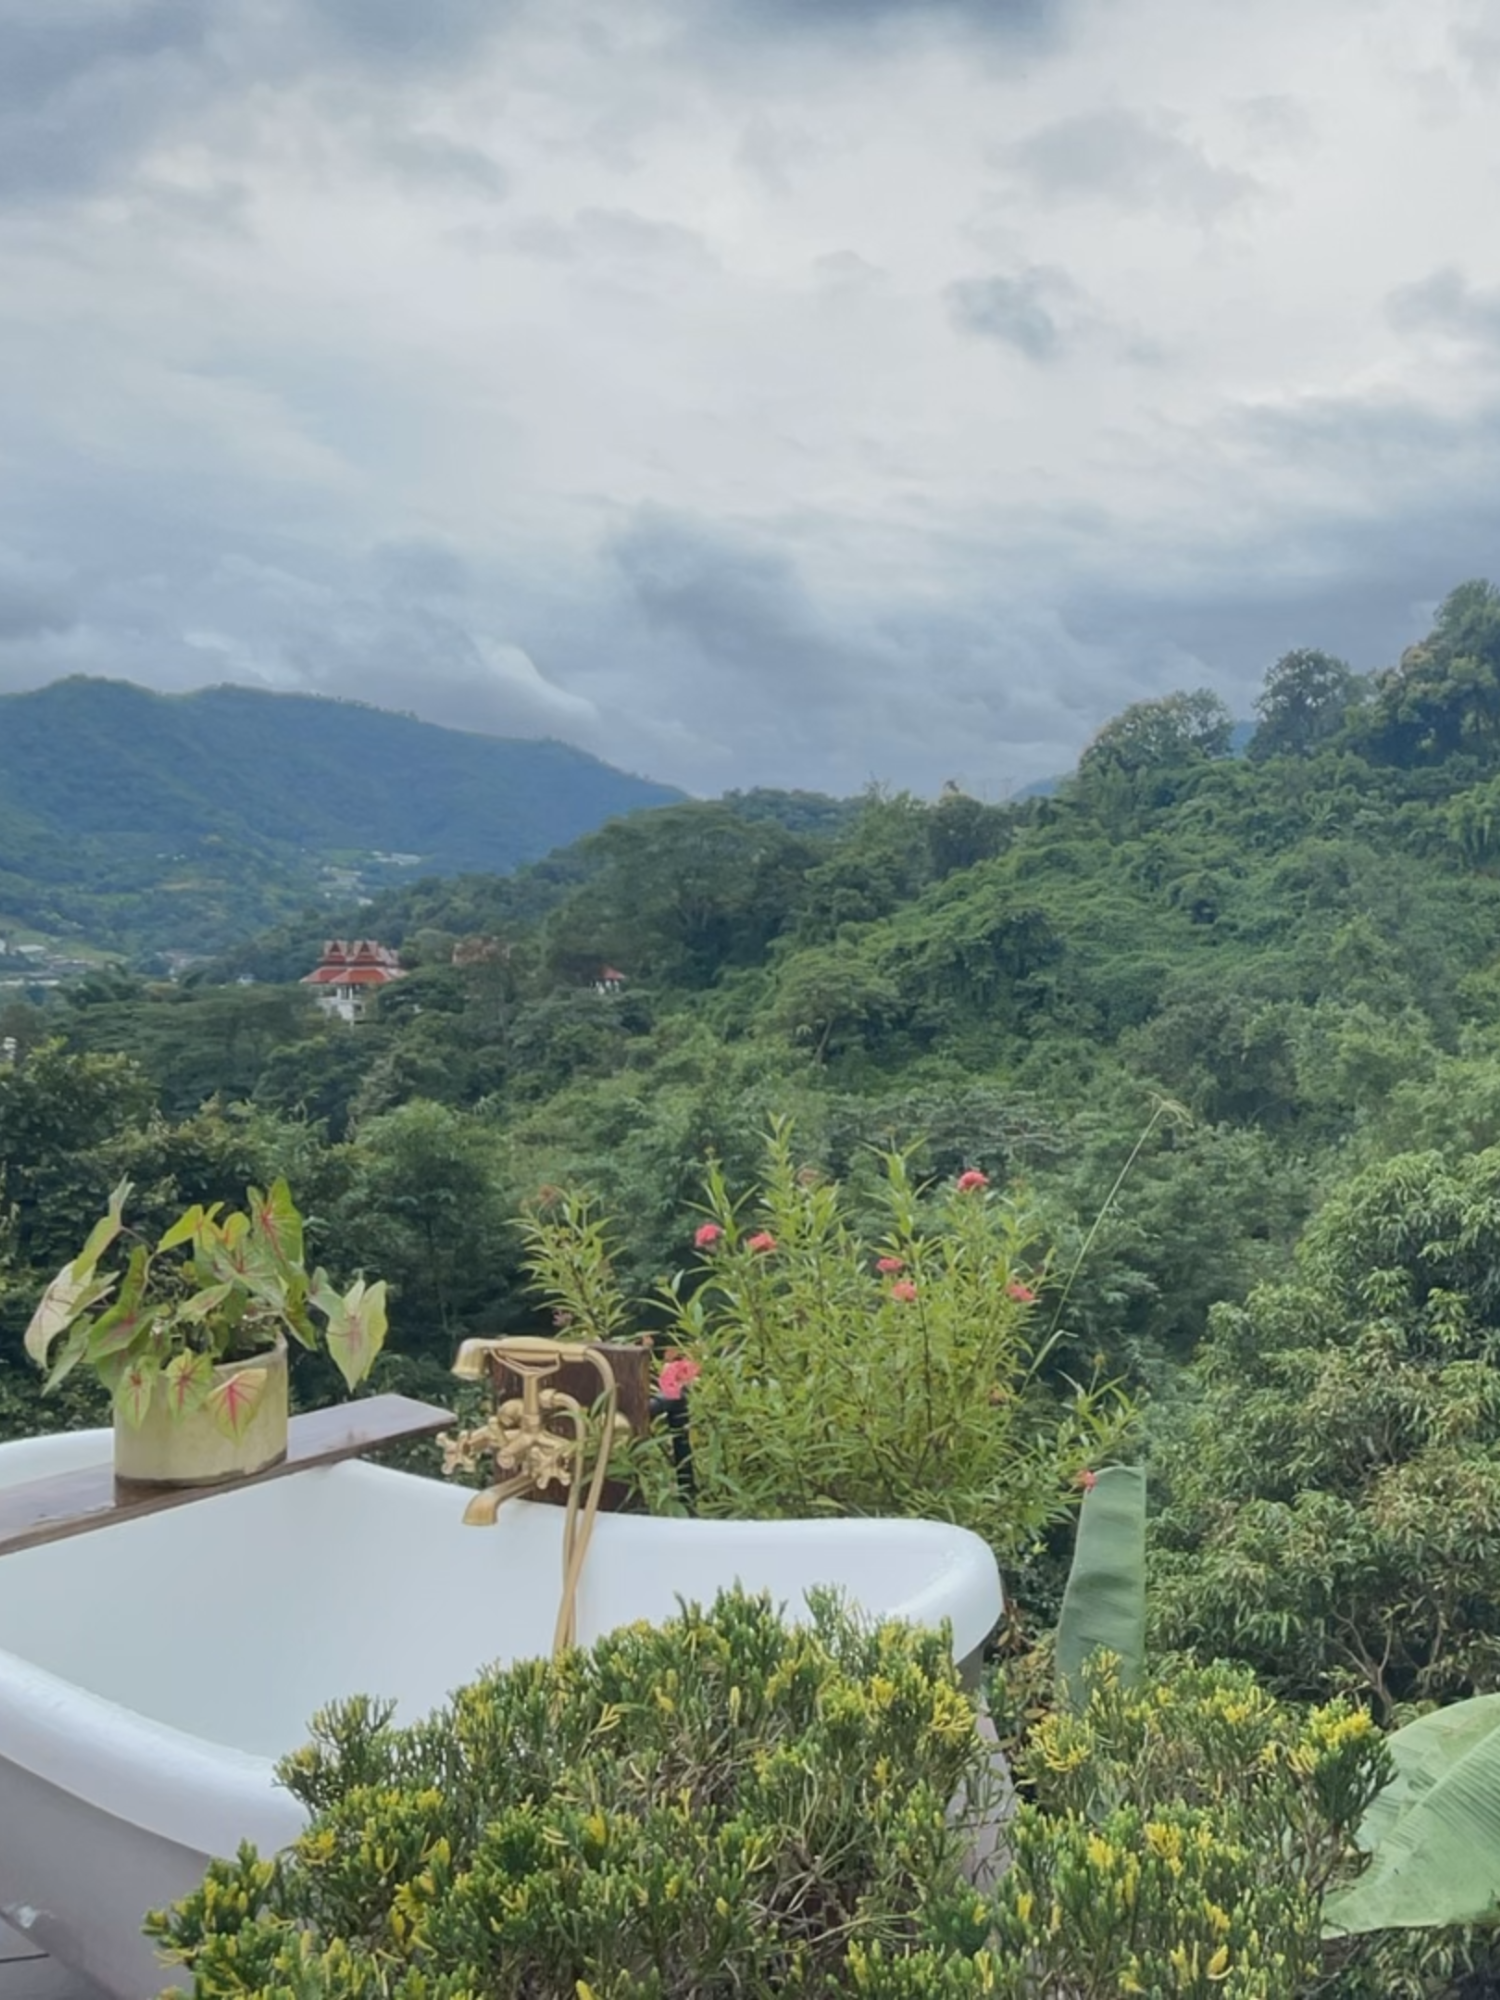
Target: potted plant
190, 1334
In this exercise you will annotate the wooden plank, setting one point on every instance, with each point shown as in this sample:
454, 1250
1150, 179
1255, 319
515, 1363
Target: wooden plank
72, 1503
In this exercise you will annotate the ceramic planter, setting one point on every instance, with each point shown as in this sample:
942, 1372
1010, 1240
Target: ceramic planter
192, 1450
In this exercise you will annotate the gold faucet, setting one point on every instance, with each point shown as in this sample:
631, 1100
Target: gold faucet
534, 1457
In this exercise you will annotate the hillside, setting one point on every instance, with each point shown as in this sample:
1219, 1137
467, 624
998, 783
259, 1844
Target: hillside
159, 823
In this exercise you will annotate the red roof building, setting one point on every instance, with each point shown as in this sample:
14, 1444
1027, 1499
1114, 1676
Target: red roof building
349, 973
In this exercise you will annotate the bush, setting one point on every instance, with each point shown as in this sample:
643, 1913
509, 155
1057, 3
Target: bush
1177, 1839
718, 1806
907, 1371
722, 1807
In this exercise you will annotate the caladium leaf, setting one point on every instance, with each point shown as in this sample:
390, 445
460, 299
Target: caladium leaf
65, 1298
69, 1355
117, 1329
201, 1304
277, 1221
188, 1381
233, 1401
356, 1329
104, 1232
135, 1388
186, 1229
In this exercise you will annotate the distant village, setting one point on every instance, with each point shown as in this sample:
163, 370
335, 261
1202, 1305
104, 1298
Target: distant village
352, 971
33, 964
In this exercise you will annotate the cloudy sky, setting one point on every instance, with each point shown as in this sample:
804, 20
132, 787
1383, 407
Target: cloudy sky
751, 391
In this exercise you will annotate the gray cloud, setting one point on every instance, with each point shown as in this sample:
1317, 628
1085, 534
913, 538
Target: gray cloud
1446, 303
83, 86
576, 371
1127, 160
1004, 17
733, 601
422, 570
434, 161
1035, 311
400, 32
34, 600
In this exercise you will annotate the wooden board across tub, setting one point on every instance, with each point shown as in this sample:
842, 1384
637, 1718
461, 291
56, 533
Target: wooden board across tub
73, 1503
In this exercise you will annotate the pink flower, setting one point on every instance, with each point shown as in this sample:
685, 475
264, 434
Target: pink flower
1016, 1290
1088, 1481
762, 1241
707, 1234
904, 1290
967, 1182
675, 1376
889, 1266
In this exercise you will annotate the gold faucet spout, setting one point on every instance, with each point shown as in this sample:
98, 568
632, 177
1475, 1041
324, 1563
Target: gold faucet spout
483, 1509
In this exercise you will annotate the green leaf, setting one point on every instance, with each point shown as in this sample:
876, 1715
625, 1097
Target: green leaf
1434, 1830
201, 1304
233, 1401
103, 1233
356, 1329
69, 1355
186, 1229
1104, 1605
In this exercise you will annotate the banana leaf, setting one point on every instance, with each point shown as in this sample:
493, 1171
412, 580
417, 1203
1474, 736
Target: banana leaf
1104, 1604
1433, 1834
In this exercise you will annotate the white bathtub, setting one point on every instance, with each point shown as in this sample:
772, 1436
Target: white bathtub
151, 1672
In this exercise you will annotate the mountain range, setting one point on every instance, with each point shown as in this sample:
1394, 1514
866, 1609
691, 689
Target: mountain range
141, 822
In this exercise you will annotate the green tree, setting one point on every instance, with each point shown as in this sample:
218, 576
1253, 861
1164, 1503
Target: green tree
831, 996
1332, 1496
423, 1208
1177, 729
1444, 697
1302, 704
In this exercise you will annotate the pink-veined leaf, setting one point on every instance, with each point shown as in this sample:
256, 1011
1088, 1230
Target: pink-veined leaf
233, 1401
117, 1329
276, 1218
65, 1298
134, 1390
356, 1329
188, 1381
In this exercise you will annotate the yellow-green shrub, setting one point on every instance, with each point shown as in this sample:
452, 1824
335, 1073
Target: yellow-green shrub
715, 1807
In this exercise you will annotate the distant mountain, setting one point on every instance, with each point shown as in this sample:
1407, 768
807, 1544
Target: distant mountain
144, 822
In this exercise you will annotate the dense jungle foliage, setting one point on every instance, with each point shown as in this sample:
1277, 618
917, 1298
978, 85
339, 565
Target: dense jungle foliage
1226, 1027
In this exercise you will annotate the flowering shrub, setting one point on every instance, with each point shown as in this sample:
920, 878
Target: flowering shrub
909, 1375
1177, 1838
716, 1807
